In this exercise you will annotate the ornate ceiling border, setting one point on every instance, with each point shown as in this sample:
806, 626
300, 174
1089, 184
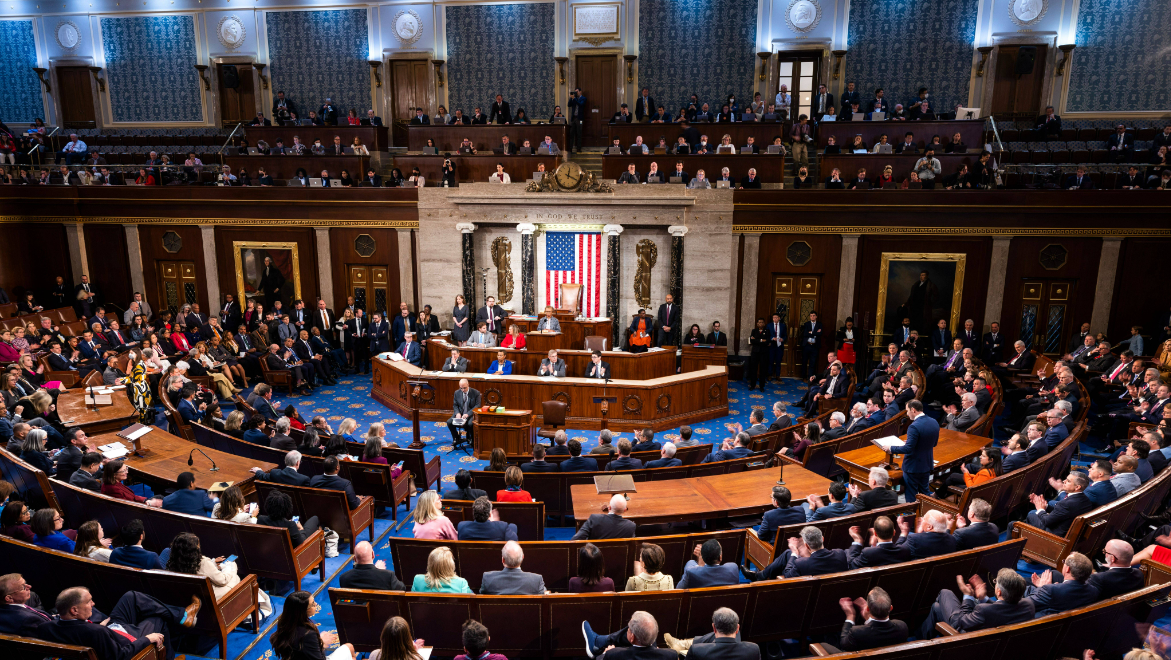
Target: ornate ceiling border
248, 222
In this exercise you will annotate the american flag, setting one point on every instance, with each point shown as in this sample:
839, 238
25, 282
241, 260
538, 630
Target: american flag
574, 257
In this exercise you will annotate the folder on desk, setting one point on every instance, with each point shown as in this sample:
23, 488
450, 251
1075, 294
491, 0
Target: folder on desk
886, 443
610, 484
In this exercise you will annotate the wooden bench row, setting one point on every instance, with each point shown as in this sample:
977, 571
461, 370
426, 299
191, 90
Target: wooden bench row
556, 561
688, 455
529, 517
835, 531
770, 610
53, 572
28, 648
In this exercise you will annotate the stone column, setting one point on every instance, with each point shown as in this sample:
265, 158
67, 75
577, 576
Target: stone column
134, 251
677, 233
994, 307
1104, 291
613, 277
846, 276
468, 261
75, 237
748, 290
406, 271
324, 269
528, 264
207, 233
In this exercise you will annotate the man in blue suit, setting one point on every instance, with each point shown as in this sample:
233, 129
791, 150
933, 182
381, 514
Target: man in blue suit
890, 408
1072, 592
976, 531
1018, 455
667, 458
646, 441
782, 515
922, 435
188, 499
576, 462
932, 538
187, 407
90, 349
403, 323
778, 332
379, 334
734, 449
940, 341
1056, 517
811, 332
485, 524
410, 350
706, 570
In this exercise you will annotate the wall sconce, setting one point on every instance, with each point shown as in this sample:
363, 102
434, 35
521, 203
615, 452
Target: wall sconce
630, 67
374, 66
259, 66
201, 68
44, 81
983, 50
94, 71
838, 55
763, 64
438, 71
561, 68
1066, 50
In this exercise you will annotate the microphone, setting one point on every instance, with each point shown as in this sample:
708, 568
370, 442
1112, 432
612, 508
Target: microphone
191, 461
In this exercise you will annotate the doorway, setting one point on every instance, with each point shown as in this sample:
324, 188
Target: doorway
597, 76
178, 285
1044, 315
794, 298
237, 93
1018, 95
76, 95
410, 88
369, 285
799, 71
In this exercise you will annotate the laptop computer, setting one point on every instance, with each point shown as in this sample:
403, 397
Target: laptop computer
885, 149
775, 148
407, 183
525, 151
834, 118
857, 116
315, 182
335, 183
349, 151
865, 185
253, 151
559, 120
890, 185
676, 179
306, 122
877, 116
465, 150
544, 151
914, 185
747, 116
653, 178
295, 183
537, 176
722, 184
770, 116
860, 151
745, 150
614, 150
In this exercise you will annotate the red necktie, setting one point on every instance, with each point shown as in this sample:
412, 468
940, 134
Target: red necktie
405, 345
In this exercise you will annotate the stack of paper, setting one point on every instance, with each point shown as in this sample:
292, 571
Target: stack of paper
113, 450
138, 434
888, 442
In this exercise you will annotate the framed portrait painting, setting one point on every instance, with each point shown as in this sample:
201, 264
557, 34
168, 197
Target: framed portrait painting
267, 272
921, 286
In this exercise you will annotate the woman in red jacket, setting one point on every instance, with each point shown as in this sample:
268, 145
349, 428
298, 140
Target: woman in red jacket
113, 474
514, 481
514, 339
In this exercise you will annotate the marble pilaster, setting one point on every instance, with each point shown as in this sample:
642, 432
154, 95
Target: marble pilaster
324, 268
846, 276
613, 276
75, 237
468, 263
747, 319
528, 264
406, 276
207, 235
1104, 290
134, 252
994, 306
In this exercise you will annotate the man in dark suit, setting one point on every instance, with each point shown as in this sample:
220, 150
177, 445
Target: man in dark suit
492, 314
624, 461
822, 102
144, 620
230, 314
330, 481
716, 337
707, 569
287, 475
371, 119
992, 345
501, 112
369, 574
83, 477
807, 555
878, 496
512, 581
485, 524
931, 539
782, 514
410, 350
634, 642
21, 610
328, 113
730, 449
597, 368
881, 550
1132, 180
69, 459
811, 332
609, 524
836, 385
1079, 180
576, 462
401, 324
1119, 577
1120, 145
560, 444
646, 441
85, 297
667, 457
188, 499
919, 462
379, 334
456, 363
1056, 517
282, 108
323, 319
976, 614
1050, 596
723, 643
645, 106
878, 630
420, 119
940, 341
1048, 125
463, 488
669, 318
464, 404
976, 531
538, 464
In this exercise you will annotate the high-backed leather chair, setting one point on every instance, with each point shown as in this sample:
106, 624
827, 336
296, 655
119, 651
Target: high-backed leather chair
571, 297
596, 343
553, 414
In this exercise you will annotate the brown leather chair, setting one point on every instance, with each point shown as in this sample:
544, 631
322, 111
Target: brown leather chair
553, 414
571, 297
596, 343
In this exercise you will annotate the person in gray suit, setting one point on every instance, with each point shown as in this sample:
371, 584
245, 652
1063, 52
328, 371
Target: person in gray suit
962, 420
548, 322
552, 366
512, 581
706, 570
456, 362
464, 404
609, 524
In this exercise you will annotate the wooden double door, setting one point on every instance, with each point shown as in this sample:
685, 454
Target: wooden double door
75, 95
178, 285
410, 88
1018, 95
237, 103
597, 76
794, 298
370, 287
1044, 315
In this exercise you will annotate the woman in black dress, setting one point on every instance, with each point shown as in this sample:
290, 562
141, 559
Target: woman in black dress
296, 636
460, 314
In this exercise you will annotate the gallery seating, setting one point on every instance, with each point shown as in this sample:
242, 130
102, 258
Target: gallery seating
529, 517
330, 506
689, 455
836, 532
29, 648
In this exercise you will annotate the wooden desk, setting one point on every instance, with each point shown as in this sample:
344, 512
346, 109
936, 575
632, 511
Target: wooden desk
624, 366
484, 136
769, 167
952, 449
168, 458
114, 417
475, 168
573, 332
849, 164
543, 342
285, 167
374, 137
764, 132
971, 131
700, 498
661, 403
696, 358
511, 430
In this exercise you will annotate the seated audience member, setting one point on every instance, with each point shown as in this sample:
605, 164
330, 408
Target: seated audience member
834, 180
369, 574
538, 464
667, 458
288, 474
330, 480
1119, 576
475, 640
976, 611
609, 524
576, 462
296, 636
560, 444
463, 488
485, 524
511, 580
83, 477
630, 175
706, 570
989, 461
878, 496
137, 622
647, 574
591, 572
878, 629
751, 181
114, 474
440, 576
781, 514
976, 531
646, 440
624, 461
513, 487
47, 525
932, 538
806, 555
14, 522
1055, 517
131, 552
1073, 591
881, 549
278, 512
605, 443
1079, 180
730, 449
838, 506
187, 499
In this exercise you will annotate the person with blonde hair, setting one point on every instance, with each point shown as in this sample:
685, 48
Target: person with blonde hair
440, 576
430, 523
395, 642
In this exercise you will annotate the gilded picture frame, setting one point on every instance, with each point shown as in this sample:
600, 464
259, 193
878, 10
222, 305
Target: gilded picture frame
910, 264
249, 259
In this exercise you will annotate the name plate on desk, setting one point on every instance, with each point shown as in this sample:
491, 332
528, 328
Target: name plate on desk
98, 400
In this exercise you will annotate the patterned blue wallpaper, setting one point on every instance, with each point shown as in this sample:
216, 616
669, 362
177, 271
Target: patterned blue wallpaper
150, 67
701, 47
1121, 62
319, 54
501, 49
902, 45
21, 101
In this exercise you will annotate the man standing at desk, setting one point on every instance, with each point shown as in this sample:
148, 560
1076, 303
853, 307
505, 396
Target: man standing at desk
597, 368
464, 404
669, 316
548, 322
922, 436
490, 314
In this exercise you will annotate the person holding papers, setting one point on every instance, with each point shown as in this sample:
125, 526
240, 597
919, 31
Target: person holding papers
922, 436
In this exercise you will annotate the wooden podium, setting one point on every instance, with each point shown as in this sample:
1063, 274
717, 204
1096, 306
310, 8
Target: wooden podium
511, 430
697, 358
